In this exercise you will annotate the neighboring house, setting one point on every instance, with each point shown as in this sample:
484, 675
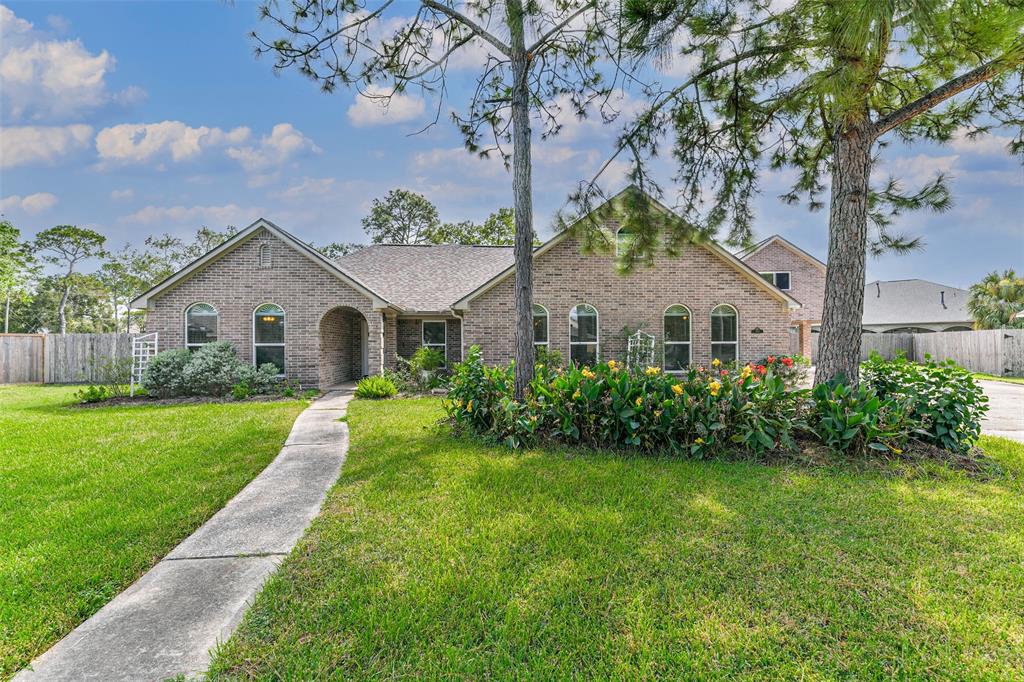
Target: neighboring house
324, 322
796, 272
915, 306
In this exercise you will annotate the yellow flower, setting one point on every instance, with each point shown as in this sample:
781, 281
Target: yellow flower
657, 413
745, 372
677, 389
576, 395
458, 403
716, 362
533, 417
587, 374
639, 402
469, 406
699, 441
715, 387
896, 450
611, 364
651, 371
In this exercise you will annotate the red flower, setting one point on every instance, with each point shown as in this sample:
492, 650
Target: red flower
724, 372
788, 362
761, 369
771, 359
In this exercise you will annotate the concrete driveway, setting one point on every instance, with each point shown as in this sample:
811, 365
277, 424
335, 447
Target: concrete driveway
1005, 410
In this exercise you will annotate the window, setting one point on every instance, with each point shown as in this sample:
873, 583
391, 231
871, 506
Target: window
200, 325
268, 336
677, 338
779, 279
434, 334
623, 240
724, 334
265, 261
540, 325
583, 335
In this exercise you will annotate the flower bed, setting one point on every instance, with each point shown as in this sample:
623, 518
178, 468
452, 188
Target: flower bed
707, 412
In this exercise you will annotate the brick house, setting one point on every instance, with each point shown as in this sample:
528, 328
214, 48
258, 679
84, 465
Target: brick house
327, 321
798, 273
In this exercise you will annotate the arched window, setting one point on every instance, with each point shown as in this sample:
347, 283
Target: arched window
265, 256
268, 336
583, 335
958, 328
200, 325
677, 338
724, 334
540, 326
624, 239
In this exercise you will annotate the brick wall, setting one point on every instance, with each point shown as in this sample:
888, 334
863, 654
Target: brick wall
236, 285
410, 337
807, 280
698, 279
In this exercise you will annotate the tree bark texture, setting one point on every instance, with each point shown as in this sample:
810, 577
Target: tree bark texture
522, 200
839, 347
61, 308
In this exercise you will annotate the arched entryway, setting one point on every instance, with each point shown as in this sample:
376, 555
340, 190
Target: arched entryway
343, 348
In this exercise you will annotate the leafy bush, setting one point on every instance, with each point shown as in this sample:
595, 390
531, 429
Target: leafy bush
260, 380
426, 359
853, 420
241, 391
422, 372
549, 358
213, 369
702, 413
375, 387
944, 402
94, 393
165, 373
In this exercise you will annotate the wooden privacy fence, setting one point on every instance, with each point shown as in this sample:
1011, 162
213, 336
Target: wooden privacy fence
992, 351
59, 358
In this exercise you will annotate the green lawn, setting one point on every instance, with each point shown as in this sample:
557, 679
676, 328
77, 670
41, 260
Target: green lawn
993, 377
92, 498
439, 558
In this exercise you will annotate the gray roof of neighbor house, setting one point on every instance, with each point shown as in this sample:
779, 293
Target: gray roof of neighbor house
914, 301
425, 278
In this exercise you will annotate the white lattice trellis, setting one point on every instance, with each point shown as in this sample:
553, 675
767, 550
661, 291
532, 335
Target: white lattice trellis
640, 350
143, 348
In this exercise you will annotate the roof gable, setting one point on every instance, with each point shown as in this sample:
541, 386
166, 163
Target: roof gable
784, 243
711, 245
242, 237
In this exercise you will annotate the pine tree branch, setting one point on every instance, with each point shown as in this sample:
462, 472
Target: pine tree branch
949, 89
468, 23
542, 41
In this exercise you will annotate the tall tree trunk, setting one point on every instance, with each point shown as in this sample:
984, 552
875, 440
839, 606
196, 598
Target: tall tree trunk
522, 199
7, 312
62, 319
839, 346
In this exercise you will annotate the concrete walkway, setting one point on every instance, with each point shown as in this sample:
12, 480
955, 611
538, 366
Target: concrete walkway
1005, 410
165, 623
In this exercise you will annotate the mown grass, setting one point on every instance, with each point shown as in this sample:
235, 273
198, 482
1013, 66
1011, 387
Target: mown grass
92, 498
443, 558
1004, 379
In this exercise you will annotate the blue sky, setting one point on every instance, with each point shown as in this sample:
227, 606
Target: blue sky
136, 118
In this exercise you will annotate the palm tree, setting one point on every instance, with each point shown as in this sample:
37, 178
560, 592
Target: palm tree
997, 301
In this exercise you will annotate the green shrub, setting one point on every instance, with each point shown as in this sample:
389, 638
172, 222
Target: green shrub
549, 358
93, 394
701, 413
426, 359
945, 403
792, 369
165, 373
853, 420
375, 387
213, 369
262, 380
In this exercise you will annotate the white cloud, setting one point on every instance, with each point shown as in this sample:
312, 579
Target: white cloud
22, 145
284, 142
31, 204
228, 214
122, 194
51, 79
986, 144
309, 188
371, 110
914, 171
144, 142
444, 160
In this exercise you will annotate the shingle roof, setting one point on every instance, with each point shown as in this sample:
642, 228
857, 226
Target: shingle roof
425, 278
914, 301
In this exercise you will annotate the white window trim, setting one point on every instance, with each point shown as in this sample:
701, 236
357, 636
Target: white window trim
264, 256
779, 272
735, 343
283, 345
547, 315
617, 254
423, 337
195, 346
597, 336
667, 343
